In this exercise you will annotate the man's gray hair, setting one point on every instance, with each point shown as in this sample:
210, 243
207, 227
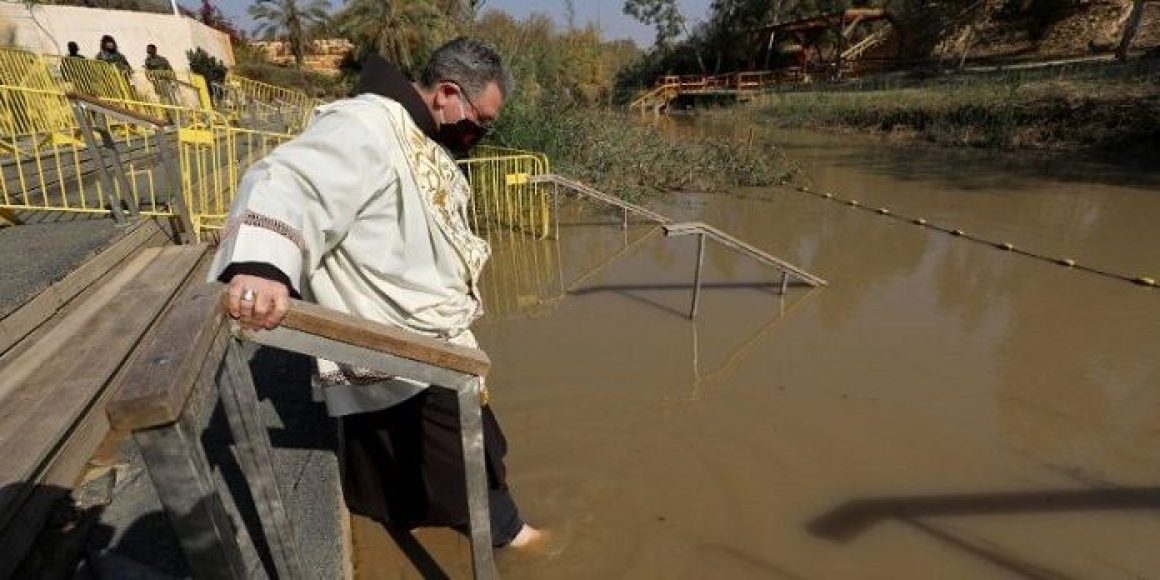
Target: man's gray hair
469, 63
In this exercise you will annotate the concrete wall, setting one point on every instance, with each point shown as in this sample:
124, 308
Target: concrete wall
48, 29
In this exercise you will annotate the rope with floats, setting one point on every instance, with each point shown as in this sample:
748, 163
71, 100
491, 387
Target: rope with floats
1003, 246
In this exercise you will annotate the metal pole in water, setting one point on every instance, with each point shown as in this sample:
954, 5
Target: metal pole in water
624, 222
697, 276
556, 208
784, 282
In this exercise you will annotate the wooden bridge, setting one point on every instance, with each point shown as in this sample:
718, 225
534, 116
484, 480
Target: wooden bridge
738, 86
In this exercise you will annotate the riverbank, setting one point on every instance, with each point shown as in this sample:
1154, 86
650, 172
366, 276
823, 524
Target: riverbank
636, 159
1010, 111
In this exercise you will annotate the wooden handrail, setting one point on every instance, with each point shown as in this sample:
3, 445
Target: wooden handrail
326, 323
162, 376
116, 111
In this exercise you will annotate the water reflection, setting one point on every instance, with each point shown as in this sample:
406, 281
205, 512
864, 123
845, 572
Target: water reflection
975, 413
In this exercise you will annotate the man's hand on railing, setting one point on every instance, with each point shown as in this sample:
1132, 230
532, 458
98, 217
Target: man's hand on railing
257, 302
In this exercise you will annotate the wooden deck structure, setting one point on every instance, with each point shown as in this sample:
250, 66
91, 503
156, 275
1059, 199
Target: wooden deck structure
737, 86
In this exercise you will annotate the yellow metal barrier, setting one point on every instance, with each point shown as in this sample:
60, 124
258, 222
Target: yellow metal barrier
20, 68
67, 160
214, 171
503, 193
52, 167
267, 105
112, 170
92, 77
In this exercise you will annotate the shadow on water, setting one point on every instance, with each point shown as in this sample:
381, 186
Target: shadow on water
856, 517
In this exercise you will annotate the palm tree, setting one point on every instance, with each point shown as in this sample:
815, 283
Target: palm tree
290, 20
399, 30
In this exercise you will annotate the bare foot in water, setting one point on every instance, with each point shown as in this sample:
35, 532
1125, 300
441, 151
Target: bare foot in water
528, 537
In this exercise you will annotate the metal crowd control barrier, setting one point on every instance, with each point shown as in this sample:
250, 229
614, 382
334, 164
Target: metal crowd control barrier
92, 77
69, 160
123, 157
702, 231
504, 194
193, 358
123, 179
188, 90
265, 105
25, 69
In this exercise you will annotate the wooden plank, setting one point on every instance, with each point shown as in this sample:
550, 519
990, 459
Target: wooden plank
116, 111
475, 478
15, 371
45, 402
338, 326
240, 401
182, 476
93, 431
27, 317
60, 474
358, 356
158, 379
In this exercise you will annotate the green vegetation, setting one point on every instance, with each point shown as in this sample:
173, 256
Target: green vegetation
1008, 112
290, 20
625, 155
566, 81
206, 65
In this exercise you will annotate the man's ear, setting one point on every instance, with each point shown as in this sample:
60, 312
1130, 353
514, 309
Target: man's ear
443, 94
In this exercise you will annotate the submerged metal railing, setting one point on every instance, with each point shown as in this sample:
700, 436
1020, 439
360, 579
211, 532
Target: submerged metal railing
702, 231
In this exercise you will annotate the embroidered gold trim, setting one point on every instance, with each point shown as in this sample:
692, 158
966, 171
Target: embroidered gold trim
255, 219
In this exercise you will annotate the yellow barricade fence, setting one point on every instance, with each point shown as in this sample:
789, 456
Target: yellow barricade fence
503, 193
182, 89
102, 169
267, 104
92, 77
19, 68
214, 172
47, 165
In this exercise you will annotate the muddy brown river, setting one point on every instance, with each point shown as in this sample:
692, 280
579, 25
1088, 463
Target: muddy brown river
943, 409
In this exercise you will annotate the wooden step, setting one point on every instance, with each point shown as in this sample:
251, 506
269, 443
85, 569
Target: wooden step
54, 299
52, 392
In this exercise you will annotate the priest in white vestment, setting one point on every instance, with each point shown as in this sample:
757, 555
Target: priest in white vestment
366, 212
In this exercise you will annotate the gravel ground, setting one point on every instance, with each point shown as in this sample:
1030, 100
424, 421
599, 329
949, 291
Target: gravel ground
36, 255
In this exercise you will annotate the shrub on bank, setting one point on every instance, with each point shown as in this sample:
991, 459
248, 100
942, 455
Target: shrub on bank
1052, 115
633, 158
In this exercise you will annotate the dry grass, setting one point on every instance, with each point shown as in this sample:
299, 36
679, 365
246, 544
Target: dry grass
993, 113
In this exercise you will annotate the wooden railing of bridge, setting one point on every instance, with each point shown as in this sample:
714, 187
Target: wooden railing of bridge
670, 87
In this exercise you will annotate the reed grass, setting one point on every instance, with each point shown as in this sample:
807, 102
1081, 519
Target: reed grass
994, 113
628, 156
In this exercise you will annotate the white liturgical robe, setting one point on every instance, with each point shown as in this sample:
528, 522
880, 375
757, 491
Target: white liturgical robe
367, 215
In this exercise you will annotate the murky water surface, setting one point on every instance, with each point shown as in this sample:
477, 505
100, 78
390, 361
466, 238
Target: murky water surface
942, 410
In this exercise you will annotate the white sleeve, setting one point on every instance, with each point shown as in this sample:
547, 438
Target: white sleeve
296, 204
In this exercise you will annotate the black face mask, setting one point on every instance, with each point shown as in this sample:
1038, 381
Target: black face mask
461, 136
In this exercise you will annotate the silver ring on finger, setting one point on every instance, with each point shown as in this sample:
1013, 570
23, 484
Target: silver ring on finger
249, 295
